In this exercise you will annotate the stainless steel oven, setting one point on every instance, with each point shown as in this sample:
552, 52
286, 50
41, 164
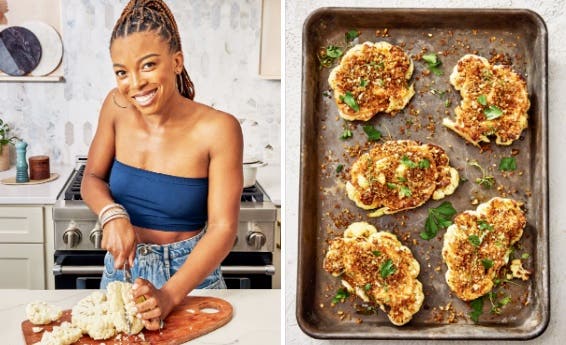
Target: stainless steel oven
79, 259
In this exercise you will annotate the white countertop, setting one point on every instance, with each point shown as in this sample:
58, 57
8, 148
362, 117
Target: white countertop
553, 13
269, 177
250, 325
33, 194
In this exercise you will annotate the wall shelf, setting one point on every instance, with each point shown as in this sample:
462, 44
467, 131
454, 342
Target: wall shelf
55, 78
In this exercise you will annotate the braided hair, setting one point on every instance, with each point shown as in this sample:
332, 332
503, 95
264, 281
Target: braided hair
155, 16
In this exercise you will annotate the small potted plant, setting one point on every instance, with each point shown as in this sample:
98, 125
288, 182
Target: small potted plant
5, 139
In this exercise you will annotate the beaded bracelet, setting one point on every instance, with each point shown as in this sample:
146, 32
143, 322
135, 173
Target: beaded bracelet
111, 212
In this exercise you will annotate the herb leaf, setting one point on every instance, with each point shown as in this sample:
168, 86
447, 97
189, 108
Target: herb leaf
363, 82
438, 218
350, 101
525, 256
486, 181
367, 287
405, 191
372, 133
477, 309
347, 133
424, 163
376, 252
339, 168
484, 225
482, 99
352, 35
492, 112
387, 268
433, 63
487, 263
474, 240
334, 51
508, 164
391, 185
340, 296
406, 161
327, 56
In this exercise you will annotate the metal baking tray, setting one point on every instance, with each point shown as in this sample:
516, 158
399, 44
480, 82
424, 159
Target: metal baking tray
520, 36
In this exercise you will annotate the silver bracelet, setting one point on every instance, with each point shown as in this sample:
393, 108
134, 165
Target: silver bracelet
112, 217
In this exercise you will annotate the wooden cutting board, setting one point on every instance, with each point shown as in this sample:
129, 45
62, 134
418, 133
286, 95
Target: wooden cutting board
194, 317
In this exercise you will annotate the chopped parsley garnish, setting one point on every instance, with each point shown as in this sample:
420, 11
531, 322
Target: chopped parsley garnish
406, 161
497, 305
391, 185
376, 252
484, 225
508, 164
334, 51
405, 191
363, 82
424, 163
438, 218
350, 101
486, 181
372, 133
492, 112
447, 103
525, 256
387, 268
346, 133
474, 240
352, 35
487, 263
401, 179
482, 99
367, 287
339, 168
340, 296
433, 63
477, 309
327, 93
377, 65
328, 55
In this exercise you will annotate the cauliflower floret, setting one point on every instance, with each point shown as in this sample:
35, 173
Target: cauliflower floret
518, 270
101, 315
41, 313
65, 334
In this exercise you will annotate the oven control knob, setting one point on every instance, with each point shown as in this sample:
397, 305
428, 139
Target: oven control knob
256, 239
72, 237
95, 236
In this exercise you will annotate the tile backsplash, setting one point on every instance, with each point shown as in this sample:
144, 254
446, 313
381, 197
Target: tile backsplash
221, 47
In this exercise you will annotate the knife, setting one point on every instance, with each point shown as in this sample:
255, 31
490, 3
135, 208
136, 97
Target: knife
127, 279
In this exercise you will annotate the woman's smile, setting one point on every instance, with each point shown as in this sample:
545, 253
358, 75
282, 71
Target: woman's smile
144, 99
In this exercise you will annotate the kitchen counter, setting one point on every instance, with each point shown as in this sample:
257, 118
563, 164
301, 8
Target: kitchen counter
269, 177
553, 14
249, 324
35, 194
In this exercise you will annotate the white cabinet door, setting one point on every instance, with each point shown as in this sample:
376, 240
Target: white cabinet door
22, 266
21, 224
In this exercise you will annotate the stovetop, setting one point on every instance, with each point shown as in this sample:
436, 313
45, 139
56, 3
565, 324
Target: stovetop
254, 193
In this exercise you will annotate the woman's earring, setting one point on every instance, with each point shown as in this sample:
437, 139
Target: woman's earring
114, 100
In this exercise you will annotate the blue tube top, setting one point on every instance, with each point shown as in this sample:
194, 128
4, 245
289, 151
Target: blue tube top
159, 201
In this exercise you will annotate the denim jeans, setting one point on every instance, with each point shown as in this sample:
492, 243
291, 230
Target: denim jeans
157, 263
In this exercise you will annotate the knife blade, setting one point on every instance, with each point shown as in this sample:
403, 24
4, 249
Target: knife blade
127, 279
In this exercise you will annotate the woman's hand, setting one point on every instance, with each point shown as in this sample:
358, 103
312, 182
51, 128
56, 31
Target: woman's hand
154, 307
119, 239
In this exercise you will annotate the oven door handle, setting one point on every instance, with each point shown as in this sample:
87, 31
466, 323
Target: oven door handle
69, 269
267, 270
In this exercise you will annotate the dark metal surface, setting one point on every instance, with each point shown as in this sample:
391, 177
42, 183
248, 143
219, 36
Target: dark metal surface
325, 210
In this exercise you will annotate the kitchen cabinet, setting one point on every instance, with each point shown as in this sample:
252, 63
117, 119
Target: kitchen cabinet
23, 246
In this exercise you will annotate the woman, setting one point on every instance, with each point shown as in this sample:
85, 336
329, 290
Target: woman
161, 168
